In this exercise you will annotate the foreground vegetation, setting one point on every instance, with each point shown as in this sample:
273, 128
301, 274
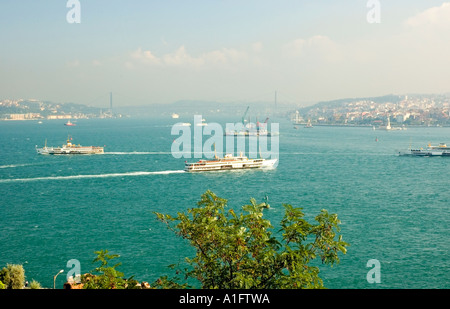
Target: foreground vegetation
233, 250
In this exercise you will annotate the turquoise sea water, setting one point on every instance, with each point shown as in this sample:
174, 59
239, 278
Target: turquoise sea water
53, 209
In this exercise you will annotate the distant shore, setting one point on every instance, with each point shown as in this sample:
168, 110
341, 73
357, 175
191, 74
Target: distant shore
370, 126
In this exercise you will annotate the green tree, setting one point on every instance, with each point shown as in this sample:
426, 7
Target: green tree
108, 277
239, 251
13, 276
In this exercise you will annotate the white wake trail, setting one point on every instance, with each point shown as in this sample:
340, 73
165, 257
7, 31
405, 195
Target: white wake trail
137, 153
17, 165
129, 174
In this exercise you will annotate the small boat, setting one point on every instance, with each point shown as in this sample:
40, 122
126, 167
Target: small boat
69, 149
70, 124
229, 162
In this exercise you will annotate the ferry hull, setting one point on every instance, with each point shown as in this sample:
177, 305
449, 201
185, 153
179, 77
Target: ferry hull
68, 152
70, 149
424, 154
432, 151
224, 165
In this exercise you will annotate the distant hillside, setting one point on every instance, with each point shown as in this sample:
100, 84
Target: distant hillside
45, 108
343, 102
401, 110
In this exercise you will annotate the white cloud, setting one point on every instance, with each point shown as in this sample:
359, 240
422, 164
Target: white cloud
145, 57
181, 58
436, 17
425, 39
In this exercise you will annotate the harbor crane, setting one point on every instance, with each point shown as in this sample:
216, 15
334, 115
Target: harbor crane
245, 114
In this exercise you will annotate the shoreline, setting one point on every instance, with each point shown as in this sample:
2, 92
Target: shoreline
371, 126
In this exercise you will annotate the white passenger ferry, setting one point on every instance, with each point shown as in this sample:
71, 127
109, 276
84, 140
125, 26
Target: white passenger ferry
441, 150
229, 162
69, 149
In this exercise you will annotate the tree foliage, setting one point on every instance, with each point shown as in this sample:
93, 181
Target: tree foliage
12, 276
107, 277
239, 251
35, 285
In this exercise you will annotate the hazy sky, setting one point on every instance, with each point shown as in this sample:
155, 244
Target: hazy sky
148, 51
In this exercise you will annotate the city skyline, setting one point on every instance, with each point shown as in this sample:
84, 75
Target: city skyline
160, 52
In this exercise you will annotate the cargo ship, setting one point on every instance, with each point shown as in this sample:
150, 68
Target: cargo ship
229, 162
69, 149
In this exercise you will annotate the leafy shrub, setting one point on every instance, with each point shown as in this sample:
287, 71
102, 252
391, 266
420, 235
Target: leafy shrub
108, 277
13, 276
34, 285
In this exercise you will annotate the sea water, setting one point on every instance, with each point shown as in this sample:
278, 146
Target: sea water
56, 208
